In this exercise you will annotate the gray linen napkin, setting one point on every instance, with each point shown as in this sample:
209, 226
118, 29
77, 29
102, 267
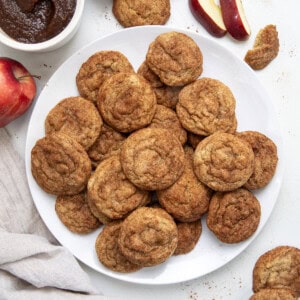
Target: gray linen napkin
32, 263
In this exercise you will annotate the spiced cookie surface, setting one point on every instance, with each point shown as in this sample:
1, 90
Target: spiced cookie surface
108, 252
76, 117
175, 58
111, 192
126, 102
60, 165
223, 161
165, 95
165, 117
75, 214
188, 236
141, 12
152, 158
188, 198
97, 68
274, 294
278, 268
265, 158
207, 106
233, 216
148, 236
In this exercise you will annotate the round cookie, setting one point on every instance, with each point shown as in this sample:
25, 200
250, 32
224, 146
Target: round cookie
111, 192
141, 12
97, 68
148, 236
265, 158
165, 117
126, 102
223, 161
175, 58
278, 268
108, 143
188, 198
188, 236
274, 294
60, 165
206, 106
108, 252
77, 118
75, 214
233, 216
165, 95
152, 158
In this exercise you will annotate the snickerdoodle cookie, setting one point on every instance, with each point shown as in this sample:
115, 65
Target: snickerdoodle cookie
165, 95
175, 58
111, 192
223, 161
265, 49
108, 143
148, 236
126, 102
108, 252
233, 216
265, 158
165, 117
206, 106
274, 294
60, 164
152, 158
188, 236
76, 117
75, 214
97, 68
188, 198
141, 12
278, 268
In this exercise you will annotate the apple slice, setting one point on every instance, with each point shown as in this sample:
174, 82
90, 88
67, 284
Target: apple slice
234, 19
209, 15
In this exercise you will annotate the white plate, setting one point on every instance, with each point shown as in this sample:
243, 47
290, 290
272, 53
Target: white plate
254, 112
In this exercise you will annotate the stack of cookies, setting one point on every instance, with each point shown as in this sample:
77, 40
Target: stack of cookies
149, 153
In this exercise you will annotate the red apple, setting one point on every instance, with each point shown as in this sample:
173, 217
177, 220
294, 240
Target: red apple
17, 90
234, 19
208, 14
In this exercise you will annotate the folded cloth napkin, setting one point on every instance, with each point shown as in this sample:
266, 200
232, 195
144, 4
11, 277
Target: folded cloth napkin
32, 263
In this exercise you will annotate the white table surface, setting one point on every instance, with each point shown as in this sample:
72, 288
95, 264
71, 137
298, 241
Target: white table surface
282, 81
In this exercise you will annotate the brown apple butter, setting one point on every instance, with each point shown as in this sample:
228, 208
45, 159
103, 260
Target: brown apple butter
34, 21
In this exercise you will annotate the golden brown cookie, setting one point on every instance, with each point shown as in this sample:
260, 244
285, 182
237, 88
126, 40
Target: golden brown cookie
113, 195
141, 12
77, 118
152, 158
94, 210
108, 252
274, 294
165, 95
126, 102
207, 106
60, 165
265, 49
188, 198
75, 214
265, 158
188, 236
175, 58
97, 68
278, 268
233, 216
148, 236
223, 161
165, 117
108, 143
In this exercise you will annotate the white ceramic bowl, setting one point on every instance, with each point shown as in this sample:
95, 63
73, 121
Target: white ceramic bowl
54, 43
